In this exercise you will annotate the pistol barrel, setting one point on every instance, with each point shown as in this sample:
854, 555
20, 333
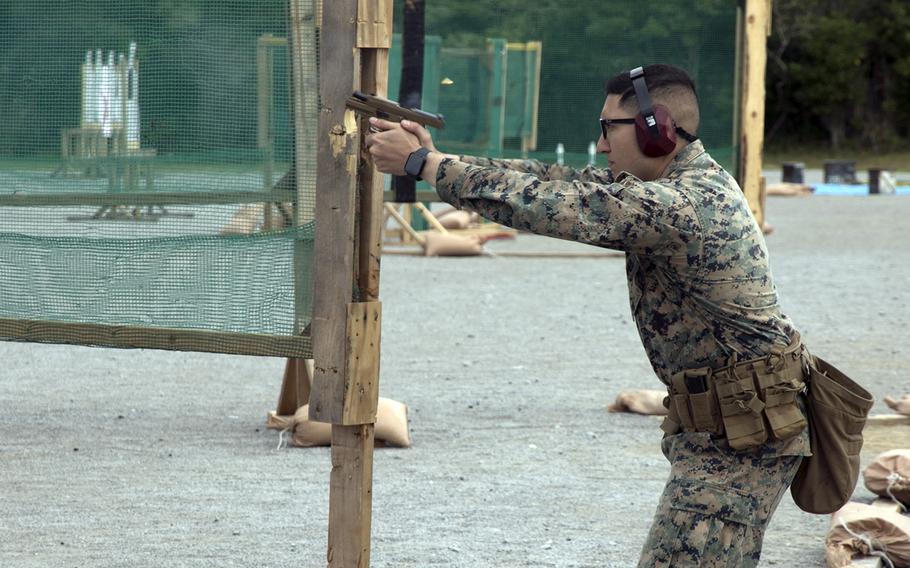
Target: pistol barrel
390, 110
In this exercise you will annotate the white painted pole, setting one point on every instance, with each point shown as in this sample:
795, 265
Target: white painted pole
118, 92
86, 116
132, 128
107, 95
97, 72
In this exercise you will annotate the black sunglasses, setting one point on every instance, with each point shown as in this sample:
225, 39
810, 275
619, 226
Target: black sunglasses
607, 122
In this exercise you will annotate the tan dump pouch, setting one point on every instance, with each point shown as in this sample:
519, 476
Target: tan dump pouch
837, 408
741, 409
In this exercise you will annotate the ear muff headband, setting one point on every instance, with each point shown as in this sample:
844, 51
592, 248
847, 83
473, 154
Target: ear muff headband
644, 100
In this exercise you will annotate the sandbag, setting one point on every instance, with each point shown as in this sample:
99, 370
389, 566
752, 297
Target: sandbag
899, 405
641, 401
884, 529
837, 409
440, 213
245, 220
787, 189
456, 220
391, 426
889, 475
442, 244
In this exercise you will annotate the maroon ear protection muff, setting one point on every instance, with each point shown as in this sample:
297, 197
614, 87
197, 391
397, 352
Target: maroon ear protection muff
654, 127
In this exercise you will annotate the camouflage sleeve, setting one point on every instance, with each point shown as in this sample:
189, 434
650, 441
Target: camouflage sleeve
544, 172
649, 218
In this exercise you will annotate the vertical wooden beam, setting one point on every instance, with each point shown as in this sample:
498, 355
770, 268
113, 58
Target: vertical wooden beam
263, 120
355, 38
303, 23
535, 51
350, 496
499, 59
337, 175
757, 27
295, 386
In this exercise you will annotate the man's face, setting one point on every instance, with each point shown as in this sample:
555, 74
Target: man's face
621, 145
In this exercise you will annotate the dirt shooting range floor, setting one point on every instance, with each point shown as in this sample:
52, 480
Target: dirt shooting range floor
153, 458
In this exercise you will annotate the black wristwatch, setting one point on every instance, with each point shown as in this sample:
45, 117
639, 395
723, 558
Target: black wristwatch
415, 162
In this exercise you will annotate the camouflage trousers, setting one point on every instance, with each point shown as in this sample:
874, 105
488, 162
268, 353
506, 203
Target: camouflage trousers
716, 505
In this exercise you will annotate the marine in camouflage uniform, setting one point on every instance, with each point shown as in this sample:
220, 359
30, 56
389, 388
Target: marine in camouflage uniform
700, 290
701, 294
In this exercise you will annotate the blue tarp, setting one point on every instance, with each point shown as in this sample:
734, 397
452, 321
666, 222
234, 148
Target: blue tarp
851, 189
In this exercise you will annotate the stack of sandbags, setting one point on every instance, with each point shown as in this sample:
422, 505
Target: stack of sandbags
882, 528
391, 426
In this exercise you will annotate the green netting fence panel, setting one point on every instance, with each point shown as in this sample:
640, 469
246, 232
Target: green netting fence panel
583, 44
147, 179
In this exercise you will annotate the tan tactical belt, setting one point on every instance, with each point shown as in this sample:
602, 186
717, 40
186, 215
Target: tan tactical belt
749, 402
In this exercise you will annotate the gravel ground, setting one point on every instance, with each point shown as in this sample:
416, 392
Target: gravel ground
144, 458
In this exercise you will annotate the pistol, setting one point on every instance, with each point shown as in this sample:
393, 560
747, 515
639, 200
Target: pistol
371, 105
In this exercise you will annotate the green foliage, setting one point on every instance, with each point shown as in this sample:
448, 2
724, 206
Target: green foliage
838, 71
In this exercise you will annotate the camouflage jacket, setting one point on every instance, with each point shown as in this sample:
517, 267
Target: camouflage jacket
700, 284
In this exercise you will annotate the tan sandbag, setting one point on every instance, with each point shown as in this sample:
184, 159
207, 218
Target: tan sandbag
899, 405
889, 475
391, 426
456, 220
641, 401
442, 244
440, 213
392, 423
306, 433
245, 220
884, 529
787, 189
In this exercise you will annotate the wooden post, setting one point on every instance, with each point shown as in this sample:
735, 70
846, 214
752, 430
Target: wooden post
263, 122
757, 27
354, 42
498, 54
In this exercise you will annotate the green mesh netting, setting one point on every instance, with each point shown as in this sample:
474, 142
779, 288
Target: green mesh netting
146, 169
487, 99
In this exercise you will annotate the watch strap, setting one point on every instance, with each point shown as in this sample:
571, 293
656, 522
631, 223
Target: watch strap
414, 164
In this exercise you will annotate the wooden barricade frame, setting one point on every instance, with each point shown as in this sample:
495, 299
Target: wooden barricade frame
753, 29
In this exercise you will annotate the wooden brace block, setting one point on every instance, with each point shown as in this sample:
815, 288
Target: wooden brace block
374, 23
361, 394
349, 395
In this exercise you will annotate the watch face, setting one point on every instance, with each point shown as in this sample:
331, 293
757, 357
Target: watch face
415, 162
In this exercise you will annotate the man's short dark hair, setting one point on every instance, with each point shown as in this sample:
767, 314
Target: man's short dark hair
659, 78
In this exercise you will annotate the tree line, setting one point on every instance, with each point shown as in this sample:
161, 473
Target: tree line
839, 73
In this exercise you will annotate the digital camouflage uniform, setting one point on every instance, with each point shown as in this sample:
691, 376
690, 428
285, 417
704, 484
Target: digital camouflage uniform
701, 292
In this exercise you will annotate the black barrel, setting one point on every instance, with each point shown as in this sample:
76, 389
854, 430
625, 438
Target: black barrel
878, 185
793, 172
840, 171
